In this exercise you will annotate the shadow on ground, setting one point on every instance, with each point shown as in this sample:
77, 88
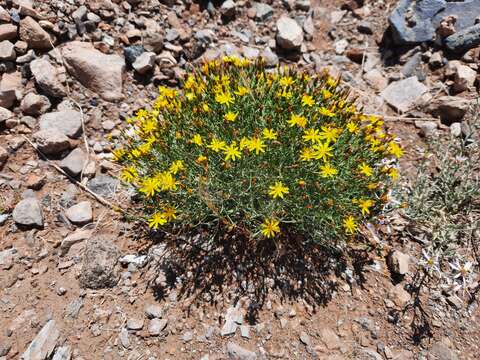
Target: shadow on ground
233, 268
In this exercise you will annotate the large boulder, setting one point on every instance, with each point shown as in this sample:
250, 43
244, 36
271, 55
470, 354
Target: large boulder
96, 71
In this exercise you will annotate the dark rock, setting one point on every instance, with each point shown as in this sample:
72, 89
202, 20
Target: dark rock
132, 52
103, 185
464, 40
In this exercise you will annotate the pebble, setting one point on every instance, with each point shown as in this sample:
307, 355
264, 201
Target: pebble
28, 213
398, 262
80, 214
156, 326
144, 62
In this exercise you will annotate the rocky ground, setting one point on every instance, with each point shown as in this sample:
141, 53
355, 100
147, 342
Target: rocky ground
78, 281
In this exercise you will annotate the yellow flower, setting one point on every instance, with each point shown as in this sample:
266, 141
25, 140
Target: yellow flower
286, 81
217, 145
365, 206
232, 152
230, 116
297, 120
327, 171
241, 90
326, 94
201, 159
197, 140
277, 190
325, 112
129, 174
395, 149
156, 220
330, 134
166, 181
307, 154
365, 169
352, 127
169, 213
350, 225
270, 228
224, 98
206, 108
257, 145
322, 151
244, 143
269, 134
331, 82
149, 186
190, 96
307, 100
176, 167
393, 173
311, 135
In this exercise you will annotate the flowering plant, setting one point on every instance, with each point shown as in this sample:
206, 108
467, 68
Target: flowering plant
265, 153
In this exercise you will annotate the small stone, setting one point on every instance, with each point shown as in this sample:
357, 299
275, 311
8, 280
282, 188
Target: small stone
144, 63
74, 162
305, 339
63, 353
131, 53
61, 291
403, 94
330, 339
399, 296
103, 185
436, 60
7, 51
123, 336
8, 32
236, 352
47, 78
450, 109
376, 79
187, 336
153, 311
135, 324
33, 34
262, 11
99, 263
44, 343
465, 39
51, 141
74, 238
464, 77
28, 213
228, 9
34, 104
156, 326
271, 59
10, 86
289, 34
302, 5
427, 128
68, 122
245, 331
80, 214
456, 129
365, 27
3, 157
398, 262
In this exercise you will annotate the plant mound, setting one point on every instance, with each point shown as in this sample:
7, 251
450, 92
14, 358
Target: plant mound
265, 153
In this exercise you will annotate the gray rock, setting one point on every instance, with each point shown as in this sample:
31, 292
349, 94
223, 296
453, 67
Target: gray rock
205, 35
74, 238
7, 257
51, 141
135, 324
456, 129
47, 78
187, 336
305, 339
7, 51
10, 87
250, 52
153, 311
5, 115
99, 263
34, 104
427, 128
365, 27
289, 34
262, 11
28, 212
233, 318
464, 76
80, 214
124, 340
74, 162
68, 122
245, 331
73, 308
416, 21
236, 352
403, 94
63, 353
399, 296
302, 5
375, 79
103, 185
44, 343
271, 59
96, 71
398, 262
156, 326
144, 63
33, 34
